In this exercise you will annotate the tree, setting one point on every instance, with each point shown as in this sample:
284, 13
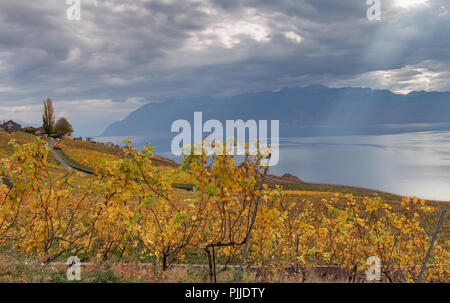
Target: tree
48, 118
63, 127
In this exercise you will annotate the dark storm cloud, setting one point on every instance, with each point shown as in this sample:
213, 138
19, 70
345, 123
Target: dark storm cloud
124, 53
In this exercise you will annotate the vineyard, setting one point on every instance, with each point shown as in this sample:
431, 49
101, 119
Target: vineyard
128, 212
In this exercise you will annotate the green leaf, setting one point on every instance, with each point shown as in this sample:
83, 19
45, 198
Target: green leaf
180, 218
211, 189
149, 201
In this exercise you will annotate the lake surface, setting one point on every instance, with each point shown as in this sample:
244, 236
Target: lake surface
410, 164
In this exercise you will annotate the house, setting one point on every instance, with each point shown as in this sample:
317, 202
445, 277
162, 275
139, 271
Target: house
10, 126
29, 129
67, 136
40, 132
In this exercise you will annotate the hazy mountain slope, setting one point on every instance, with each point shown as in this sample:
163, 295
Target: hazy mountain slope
314, 110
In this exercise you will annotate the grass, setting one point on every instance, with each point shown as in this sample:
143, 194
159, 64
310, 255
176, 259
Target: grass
24, 269
90, 146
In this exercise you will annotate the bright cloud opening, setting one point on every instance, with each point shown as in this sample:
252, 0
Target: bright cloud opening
410, 3
229, 33
293, 36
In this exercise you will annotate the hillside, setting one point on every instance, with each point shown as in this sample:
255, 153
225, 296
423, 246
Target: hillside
90, 153
299, 200
87, 155
19, 137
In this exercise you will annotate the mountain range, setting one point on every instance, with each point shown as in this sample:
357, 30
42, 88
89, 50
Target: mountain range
308, 111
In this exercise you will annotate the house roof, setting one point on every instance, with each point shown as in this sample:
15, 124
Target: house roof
10, 122
39, 130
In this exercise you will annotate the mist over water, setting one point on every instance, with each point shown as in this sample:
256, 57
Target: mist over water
410, 164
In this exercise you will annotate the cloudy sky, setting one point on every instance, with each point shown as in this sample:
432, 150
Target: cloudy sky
124, 53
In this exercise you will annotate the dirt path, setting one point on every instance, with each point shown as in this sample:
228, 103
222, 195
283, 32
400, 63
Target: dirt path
61, 161
64, 164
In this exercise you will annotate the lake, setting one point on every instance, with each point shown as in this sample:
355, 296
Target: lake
410, 164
